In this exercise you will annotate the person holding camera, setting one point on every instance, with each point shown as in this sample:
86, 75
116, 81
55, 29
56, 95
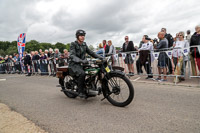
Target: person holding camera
145, 56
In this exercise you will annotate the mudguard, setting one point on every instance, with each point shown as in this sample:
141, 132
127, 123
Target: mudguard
117, 68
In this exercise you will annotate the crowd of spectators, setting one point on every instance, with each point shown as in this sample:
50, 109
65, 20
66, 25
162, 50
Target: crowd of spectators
43, 63
47, 61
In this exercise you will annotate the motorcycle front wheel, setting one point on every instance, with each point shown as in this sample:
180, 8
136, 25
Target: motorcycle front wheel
118, 90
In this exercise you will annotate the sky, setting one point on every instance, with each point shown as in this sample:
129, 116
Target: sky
57, 20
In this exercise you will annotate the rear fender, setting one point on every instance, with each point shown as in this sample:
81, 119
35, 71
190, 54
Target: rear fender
116, 68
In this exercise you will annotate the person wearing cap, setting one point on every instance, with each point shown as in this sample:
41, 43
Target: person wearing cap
101, 50
78, 50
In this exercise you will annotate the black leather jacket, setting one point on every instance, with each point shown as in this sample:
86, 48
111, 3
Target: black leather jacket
77, 55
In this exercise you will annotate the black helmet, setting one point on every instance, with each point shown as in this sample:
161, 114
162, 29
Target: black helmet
80, 33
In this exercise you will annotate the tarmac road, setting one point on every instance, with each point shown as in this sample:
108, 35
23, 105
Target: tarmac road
155, 108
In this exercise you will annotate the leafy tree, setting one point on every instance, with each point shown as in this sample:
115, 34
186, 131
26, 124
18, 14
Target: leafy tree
91, 47
68, 46
32, 45
44, 46
2, 52
60, 46
8, 48
11, 50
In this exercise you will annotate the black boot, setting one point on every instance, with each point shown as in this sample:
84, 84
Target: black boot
82, 93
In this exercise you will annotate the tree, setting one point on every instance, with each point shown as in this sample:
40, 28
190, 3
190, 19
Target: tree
68, 46
91, 47
32, 45
60, 46
11, 50
8, 48
2, 52
44, 46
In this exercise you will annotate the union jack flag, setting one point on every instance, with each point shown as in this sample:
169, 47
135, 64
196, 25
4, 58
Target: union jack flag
21, 41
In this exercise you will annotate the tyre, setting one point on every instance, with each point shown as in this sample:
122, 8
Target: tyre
65, 88
118, 90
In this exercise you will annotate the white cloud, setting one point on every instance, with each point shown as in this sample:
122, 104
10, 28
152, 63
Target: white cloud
56, 21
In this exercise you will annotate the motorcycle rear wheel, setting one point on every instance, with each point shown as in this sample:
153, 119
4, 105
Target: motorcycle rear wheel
65, 89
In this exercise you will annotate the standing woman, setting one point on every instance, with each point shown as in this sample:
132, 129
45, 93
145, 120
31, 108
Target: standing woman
112, 52
179, 57
101, 50
128, 46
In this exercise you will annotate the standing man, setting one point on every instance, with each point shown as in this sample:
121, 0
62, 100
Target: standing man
27, 63
128, 46
188, 37
170, 45
78, 50
56, 59
145, 56
194, 44
162, 56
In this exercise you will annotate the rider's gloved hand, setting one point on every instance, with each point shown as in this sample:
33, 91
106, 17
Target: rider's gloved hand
84, 61
104, 60
101, 58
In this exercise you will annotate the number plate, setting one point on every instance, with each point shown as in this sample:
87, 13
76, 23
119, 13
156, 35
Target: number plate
107, 69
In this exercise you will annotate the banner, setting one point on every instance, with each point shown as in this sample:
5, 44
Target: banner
186, 51
123, 56
169, 54
133, 56
156, 54
116, 56
21, 41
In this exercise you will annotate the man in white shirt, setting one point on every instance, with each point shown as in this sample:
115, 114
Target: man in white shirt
146, 56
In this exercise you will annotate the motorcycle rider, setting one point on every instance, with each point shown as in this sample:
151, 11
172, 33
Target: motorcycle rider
78, 49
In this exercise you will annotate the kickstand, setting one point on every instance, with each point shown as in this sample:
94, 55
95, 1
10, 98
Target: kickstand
106, 96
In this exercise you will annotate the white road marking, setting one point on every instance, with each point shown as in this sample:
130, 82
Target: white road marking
137, 79
2, 79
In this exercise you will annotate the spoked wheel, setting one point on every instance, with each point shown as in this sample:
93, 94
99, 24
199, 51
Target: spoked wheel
119, 90
67, 87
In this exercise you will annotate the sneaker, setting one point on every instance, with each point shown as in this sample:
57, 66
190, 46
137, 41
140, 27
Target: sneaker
149, 77
162, 80
157, 79
182, 79
131, 73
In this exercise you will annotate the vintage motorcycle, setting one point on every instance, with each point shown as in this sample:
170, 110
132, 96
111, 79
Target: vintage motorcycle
100, 79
